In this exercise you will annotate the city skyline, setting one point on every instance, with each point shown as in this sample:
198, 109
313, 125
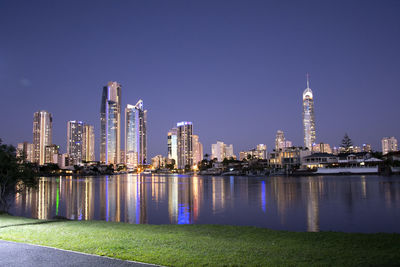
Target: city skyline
253, 56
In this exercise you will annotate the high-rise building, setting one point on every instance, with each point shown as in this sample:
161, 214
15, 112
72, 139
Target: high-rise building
281, 142
25, 152
42, 135
197, 150
308, 117
389, 144
51, 150
110, 119
88, 143
173, 146
75, 141
220, 151
135, 135
185, 146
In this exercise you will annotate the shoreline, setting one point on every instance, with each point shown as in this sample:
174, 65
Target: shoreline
182, 245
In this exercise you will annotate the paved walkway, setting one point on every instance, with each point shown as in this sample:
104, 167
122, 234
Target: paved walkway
19, 254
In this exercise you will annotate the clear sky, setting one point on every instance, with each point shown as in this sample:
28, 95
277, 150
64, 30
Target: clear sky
236, 69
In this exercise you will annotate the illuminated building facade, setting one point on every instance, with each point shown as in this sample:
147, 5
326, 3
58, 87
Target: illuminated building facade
308, 117
173, 146
135, 135
185, 144
110, 120
321, 148
51, 150
220, 151
88, 143
367, 148
281, 142
389, 144
74, 141
197, 150
25, 152
42, 135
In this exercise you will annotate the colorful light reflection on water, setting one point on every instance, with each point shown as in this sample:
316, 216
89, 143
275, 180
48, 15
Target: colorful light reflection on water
351, 204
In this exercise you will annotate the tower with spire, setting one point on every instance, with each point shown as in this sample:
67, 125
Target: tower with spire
308, 116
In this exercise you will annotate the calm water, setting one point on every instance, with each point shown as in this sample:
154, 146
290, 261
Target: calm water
319, 203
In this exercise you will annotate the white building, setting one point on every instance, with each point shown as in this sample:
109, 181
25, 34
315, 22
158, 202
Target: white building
220, 151
197, 150
173, 146
389, 144
42, 135
135, 135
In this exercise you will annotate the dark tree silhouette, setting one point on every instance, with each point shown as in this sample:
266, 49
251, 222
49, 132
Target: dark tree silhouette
346, 143
15, 177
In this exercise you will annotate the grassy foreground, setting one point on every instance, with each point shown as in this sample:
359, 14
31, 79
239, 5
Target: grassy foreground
182, 245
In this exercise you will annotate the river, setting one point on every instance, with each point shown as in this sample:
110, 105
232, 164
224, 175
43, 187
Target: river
316, 203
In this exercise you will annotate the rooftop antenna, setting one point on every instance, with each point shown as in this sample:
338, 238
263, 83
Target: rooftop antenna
308, 79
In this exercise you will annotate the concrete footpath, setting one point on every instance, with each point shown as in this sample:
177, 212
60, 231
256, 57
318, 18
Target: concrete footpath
19, 254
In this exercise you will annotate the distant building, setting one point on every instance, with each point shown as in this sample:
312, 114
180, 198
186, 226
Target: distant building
173, 146
158, 162
281, 142
110, 120
75, 141
42, 135
389, 144
257, 153
25, 151
197, 150
220, 151
288, 158
185, 145
321, 148
308, 116
367, 148
135, 135
50, 151
88, 143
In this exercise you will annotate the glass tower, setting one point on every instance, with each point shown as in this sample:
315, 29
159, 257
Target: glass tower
185, 146
308, 117
42, 132
110, 120
135, 135
74, 141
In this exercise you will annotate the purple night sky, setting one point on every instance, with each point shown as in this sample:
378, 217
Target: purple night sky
236, 69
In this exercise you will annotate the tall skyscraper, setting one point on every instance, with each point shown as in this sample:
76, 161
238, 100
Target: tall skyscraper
75, 141
42, 135
308, 116
185, 146
197, 150
88, 143
135, 135
173, 145
389, 144
110, 119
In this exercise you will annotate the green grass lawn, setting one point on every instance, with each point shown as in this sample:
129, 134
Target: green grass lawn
214, 245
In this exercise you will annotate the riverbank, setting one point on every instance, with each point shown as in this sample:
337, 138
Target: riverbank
182, 245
